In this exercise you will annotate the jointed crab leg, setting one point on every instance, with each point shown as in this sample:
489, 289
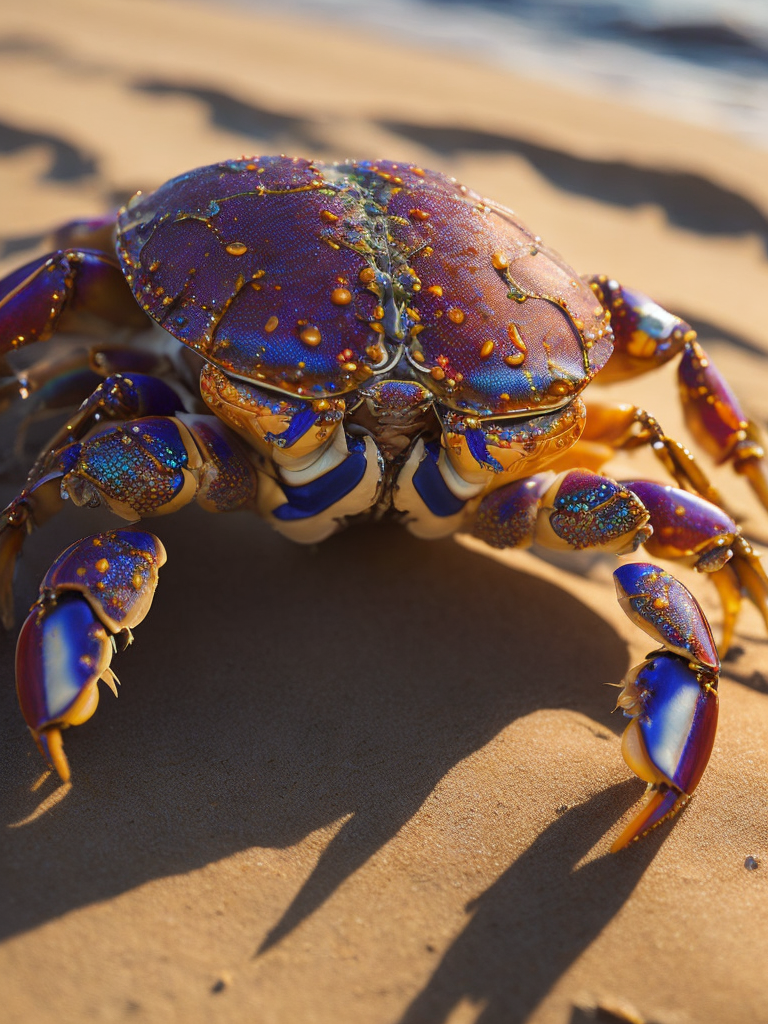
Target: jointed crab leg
620, 426
646, 336
717, 421
143, 467
579, 509
672, 696
689, 529
119, 396
35, 298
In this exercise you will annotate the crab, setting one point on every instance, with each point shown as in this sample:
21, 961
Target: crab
367, 340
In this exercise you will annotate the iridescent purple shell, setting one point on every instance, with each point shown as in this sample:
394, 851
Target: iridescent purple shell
311, 278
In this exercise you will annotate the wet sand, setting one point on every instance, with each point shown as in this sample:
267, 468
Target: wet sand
376, 781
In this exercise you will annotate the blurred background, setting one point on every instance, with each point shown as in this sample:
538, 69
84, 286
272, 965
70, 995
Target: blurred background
701, 60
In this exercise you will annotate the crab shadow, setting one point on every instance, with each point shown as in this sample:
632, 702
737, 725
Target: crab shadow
527, 928
275, 690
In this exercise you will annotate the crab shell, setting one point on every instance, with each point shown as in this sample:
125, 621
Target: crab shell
312, 278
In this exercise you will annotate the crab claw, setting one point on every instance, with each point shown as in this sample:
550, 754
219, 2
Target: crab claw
671, 697
100, 586
63, 651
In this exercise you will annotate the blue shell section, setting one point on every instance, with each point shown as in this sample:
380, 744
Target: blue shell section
675, 712
310, 277
661, 605
256, 265
58, 649
114, 568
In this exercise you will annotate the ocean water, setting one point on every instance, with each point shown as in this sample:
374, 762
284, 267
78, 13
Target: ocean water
704, 61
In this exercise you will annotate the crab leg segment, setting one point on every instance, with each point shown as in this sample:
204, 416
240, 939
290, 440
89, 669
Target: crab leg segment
619, 426
99, 587
645, 334
157, 464
35, 298
575, 510
717, 421
118, 397
671, 698
692, 530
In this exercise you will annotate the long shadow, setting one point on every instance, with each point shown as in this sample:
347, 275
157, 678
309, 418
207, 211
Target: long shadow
532, 923
68, 162
235, 115
275, 690
688, 199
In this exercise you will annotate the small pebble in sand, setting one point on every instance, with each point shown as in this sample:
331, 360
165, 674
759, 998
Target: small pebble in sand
751, 863
223, 981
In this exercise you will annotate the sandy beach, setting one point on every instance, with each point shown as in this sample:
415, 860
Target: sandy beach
376, 781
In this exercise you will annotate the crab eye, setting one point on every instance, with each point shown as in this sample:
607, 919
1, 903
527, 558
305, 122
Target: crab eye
515, 447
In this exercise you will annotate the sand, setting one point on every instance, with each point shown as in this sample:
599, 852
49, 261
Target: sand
377, 781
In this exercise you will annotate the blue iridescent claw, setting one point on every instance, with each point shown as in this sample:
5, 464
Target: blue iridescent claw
98, 588
671, 698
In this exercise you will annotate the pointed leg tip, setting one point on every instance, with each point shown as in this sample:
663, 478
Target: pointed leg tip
51, 746
660, 804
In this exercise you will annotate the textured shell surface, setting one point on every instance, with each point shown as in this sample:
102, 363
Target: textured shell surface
313, 278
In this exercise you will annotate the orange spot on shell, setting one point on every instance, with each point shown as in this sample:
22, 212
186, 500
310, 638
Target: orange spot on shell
310, 336
367, 275
500, 260
435, 289
456, 315
237, 248
328, 217
437, 372
516, 338
271, 324
341, 296
486, 349
102, 565
417, 214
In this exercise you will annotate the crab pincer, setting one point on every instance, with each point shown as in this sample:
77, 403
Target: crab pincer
671, 697
92, 596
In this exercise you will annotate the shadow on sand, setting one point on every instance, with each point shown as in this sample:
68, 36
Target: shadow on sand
275, 689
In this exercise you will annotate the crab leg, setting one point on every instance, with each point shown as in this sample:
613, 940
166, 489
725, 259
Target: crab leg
574, 510
689, 529
116, 397
671, 697
646, 336
97, 590
620, 426
580, 509
144, 467
51, 292
717, 421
